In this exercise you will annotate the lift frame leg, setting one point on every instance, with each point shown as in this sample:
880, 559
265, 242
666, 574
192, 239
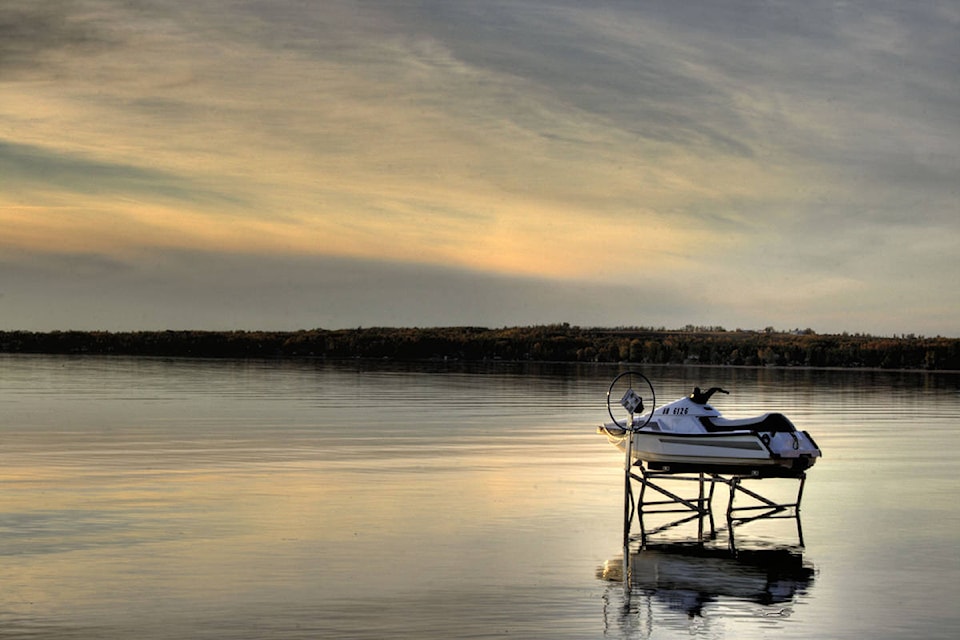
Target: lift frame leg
638, 503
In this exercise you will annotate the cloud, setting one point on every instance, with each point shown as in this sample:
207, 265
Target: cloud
28, 167
202, 290
33, 35
793, 155
232, 290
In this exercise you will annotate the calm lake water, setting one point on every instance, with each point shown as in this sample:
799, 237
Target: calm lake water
151, 498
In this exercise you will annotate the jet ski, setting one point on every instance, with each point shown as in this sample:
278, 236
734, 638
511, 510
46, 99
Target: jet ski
689, 435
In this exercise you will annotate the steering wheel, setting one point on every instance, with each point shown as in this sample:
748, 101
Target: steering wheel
632, 400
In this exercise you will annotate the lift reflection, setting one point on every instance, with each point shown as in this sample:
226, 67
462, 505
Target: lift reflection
689, 577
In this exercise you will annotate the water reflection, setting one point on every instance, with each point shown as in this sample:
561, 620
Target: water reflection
691, 579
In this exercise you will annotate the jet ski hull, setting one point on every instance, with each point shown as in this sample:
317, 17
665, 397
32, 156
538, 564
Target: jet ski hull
749, 453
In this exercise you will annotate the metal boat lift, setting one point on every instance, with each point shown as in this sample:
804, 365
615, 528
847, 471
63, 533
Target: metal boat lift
646, 495
640, 483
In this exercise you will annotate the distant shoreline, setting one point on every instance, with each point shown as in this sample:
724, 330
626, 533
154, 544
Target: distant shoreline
546, 343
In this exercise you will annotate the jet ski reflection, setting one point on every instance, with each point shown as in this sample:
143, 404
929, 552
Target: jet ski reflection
689, 577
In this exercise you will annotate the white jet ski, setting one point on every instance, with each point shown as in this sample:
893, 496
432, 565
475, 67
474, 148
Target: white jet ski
689, 435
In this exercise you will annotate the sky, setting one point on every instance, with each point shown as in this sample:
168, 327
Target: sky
299, 164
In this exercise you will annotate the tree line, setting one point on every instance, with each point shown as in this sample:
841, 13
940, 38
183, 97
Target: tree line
547, 343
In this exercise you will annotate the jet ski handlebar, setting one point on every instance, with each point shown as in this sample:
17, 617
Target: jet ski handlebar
703, 397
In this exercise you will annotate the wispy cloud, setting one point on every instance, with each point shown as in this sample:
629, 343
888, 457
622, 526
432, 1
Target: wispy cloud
36, 36
38, 169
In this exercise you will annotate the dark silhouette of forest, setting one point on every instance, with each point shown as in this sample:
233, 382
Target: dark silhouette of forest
549, 343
